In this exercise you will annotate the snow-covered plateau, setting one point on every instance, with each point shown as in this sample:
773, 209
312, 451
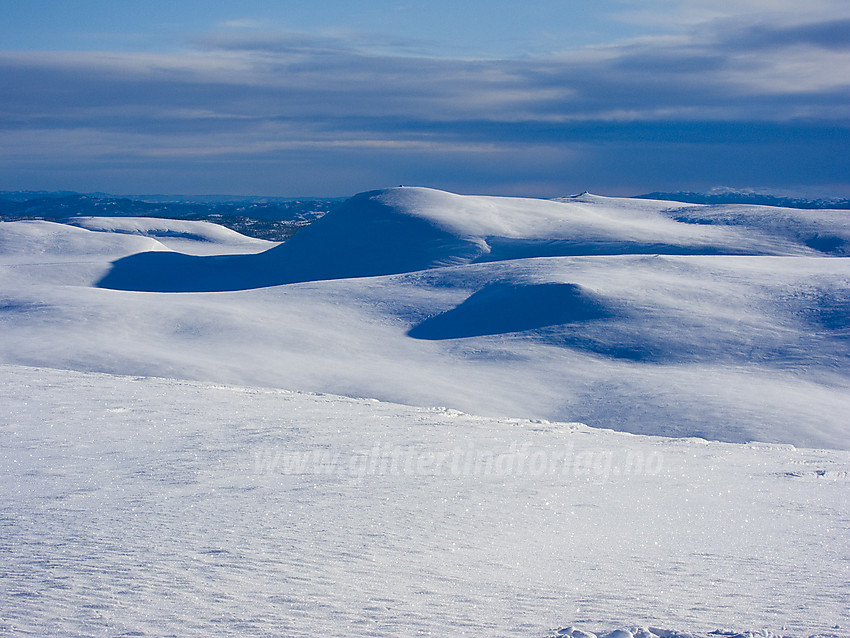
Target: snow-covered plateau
429, 414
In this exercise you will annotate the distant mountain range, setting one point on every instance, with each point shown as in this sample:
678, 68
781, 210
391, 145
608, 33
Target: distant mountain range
732, 196
268, 218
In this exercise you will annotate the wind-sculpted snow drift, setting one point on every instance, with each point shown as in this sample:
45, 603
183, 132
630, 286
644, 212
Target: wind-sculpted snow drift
503, 307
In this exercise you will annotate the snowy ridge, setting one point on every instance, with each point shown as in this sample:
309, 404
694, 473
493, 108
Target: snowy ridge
31, 241
408, 229
193, 237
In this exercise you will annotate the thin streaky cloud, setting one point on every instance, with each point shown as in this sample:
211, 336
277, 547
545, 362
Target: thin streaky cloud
311, 79
246, 23
683, 15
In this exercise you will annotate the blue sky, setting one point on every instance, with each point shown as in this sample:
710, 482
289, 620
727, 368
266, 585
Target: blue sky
331, 98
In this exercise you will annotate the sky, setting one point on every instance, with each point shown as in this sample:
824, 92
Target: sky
330, 98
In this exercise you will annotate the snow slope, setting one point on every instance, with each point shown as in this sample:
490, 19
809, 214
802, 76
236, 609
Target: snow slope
154, 507
724, 346
407, 229
37, 242
192, 237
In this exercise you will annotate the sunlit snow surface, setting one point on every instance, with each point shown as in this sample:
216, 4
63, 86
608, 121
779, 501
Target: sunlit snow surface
153, 507
530, 318
164, 479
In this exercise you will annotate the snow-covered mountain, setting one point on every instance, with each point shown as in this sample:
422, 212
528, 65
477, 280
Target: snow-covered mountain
725, 322
172, 469
407, 229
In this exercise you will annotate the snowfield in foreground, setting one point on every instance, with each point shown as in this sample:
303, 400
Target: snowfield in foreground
154, 507
181, 460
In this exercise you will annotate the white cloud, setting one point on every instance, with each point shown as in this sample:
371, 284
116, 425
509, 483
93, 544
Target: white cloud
685, 14
246, 23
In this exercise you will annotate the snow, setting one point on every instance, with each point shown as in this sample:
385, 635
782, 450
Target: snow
509, 307
191, 237
145, 506
182, 458
40, 241
408, 229
727, 347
